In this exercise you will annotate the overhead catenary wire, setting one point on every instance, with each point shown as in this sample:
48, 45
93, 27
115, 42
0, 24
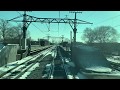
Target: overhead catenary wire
48, 27
38, 28
18, 12
58, 23
111, 18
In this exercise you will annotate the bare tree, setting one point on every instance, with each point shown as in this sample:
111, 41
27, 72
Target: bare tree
88, 35
102, 34
105, 34
8, 32
4, 26
12, 33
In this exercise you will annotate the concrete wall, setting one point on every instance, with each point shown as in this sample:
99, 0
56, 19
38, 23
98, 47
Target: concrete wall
8, 54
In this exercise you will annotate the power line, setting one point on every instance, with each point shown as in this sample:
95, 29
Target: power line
108, 19
48, 26
38, 28
58, 23
19, 12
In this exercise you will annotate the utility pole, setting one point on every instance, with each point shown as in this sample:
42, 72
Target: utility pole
75, 26
62, 38
71, 36
74, 31
29, 45
48, 37
39, 41
24, 32
58, 23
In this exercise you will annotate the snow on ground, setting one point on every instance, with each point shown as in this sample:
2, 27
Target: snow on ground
21, 61
13, 64
54, 53
48, 65
48, 53
16, 69
100, 69
70, 76
3, 69
112, 73
29, 71
113, 60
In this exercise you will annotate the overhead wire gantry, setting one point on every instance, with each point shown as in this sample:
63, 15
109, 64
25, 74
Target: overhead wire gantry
28, 19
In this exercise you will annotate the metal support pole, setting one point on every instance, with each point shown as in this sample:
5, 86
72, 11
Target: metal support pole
62, 39
75, 29
48, 39
71, 36
39, 41
24, 32
29, 46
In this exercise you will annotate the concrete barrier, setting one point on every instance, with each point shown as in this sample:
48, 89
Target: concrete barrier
8, 54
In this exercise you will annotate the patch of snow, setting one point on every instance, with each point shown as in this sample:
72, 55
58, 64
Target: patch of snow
70, 76
51, 77
48, 65
20, 61
29, 71
116, 56
33, 67
16, 69
54, 54
4, 69
76, 77
113, 60
100, 69
13, 77
13, 64
67, 60
25, 75
49, 53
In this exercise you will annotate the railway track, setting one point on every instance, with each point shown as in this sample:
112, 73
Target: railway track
38, 50
58, 69
20, 69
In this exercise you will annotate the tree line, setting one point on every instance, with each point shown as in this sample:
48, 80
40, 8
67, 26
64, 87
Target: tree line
8, 31
102, 34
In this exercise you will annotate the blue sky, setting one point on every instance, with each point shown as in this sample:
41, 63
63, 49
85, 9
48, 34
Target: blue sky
98, 18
